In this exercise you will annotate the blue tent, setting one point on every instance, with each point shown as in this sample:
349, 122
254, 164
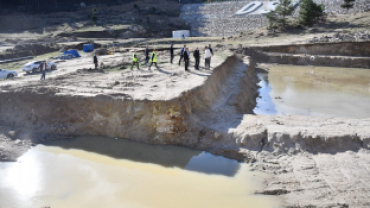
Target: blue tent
88, 47
72, 52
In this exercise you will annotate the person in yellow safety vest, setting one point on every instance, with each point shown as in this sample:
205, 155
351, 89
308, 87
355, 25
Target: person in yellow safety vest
154, 59
134, 61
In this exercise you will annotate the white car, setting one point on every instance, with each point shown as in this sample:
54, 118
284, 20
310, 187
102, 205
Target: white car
32, 67
7, 74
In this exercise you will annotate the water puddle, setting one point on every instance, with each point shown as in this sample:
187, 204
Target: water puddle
316, 91
105, 172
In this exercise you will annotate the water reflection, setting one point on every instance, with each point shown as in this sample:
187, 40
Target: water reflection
265, 105
316, 91
164, 155
121, 173
208, 163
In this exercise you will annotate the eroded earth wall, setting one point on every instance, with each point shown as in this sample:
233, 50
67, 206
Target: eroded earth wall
314, 161
172, 121
335, 49
349, 55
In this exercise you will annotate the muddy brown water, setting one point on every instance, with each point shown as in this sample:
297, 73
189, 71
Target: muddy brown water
107, 172
315, 91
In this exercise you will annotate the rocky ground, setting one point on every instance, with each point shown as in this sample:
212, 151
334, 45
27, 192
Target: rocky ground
146, 19
76, 77
12, 146
314, 161
78, 73
334, 24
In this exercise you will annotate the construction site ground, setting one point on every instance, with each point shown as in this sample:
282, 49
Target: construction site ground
304, 178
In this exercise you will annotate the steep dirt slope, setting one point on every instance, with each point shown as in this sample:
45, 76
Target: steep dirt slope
316, 161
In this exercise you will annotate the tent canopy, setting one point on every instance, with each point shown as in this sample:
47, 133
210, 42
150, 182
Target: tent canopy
88, 47
72, 52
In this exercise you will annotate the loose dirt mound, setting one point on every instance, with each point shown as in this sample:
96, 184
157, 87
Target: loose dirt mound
34, 49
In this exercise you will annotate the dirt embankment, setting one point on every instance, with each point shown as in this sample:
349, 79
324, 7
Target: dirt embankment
45, 110
141, 18
24, 50
36, 49
335, 49
351, 54
308, 156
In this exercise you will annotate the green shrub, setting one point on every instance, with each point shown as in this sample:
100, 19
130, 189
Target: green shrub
136, 7
94, 18
153, 10
278, 18
348, 4
310, 12
273, 19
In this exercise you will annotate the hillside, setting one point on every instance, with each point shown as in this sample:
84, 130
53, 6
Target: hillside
144, 18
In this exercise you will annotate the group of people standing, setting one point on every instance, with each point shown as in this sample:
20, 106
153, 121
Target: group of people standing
184, 55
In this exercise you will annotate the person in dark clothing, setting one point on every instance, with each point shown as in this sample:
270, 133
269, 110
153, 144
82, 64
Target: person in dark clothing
134, 61
211, 50
196, 56
186, 59
182, 51
42, 68
171, 52
96, 61
146, 55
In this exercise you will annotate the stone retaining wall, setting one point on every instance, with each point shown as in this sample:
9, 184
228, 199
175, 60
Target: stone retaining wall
218, 20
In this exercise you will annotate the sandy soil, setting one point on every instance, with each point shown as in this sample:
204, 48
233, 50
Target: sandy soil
316, 161
76, 76
309, 156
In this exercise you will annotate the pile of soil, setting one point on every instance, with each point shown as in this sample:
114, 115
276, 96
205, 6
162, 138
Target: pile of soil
33, 49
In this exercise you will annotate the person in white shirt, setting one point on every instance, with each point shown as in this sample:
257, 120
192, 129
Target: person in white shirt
207, 57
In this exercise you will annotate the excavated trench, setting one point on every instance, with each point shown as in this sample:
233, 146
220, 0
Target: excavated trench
342, 54
51, 111
203, 118
217, 117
